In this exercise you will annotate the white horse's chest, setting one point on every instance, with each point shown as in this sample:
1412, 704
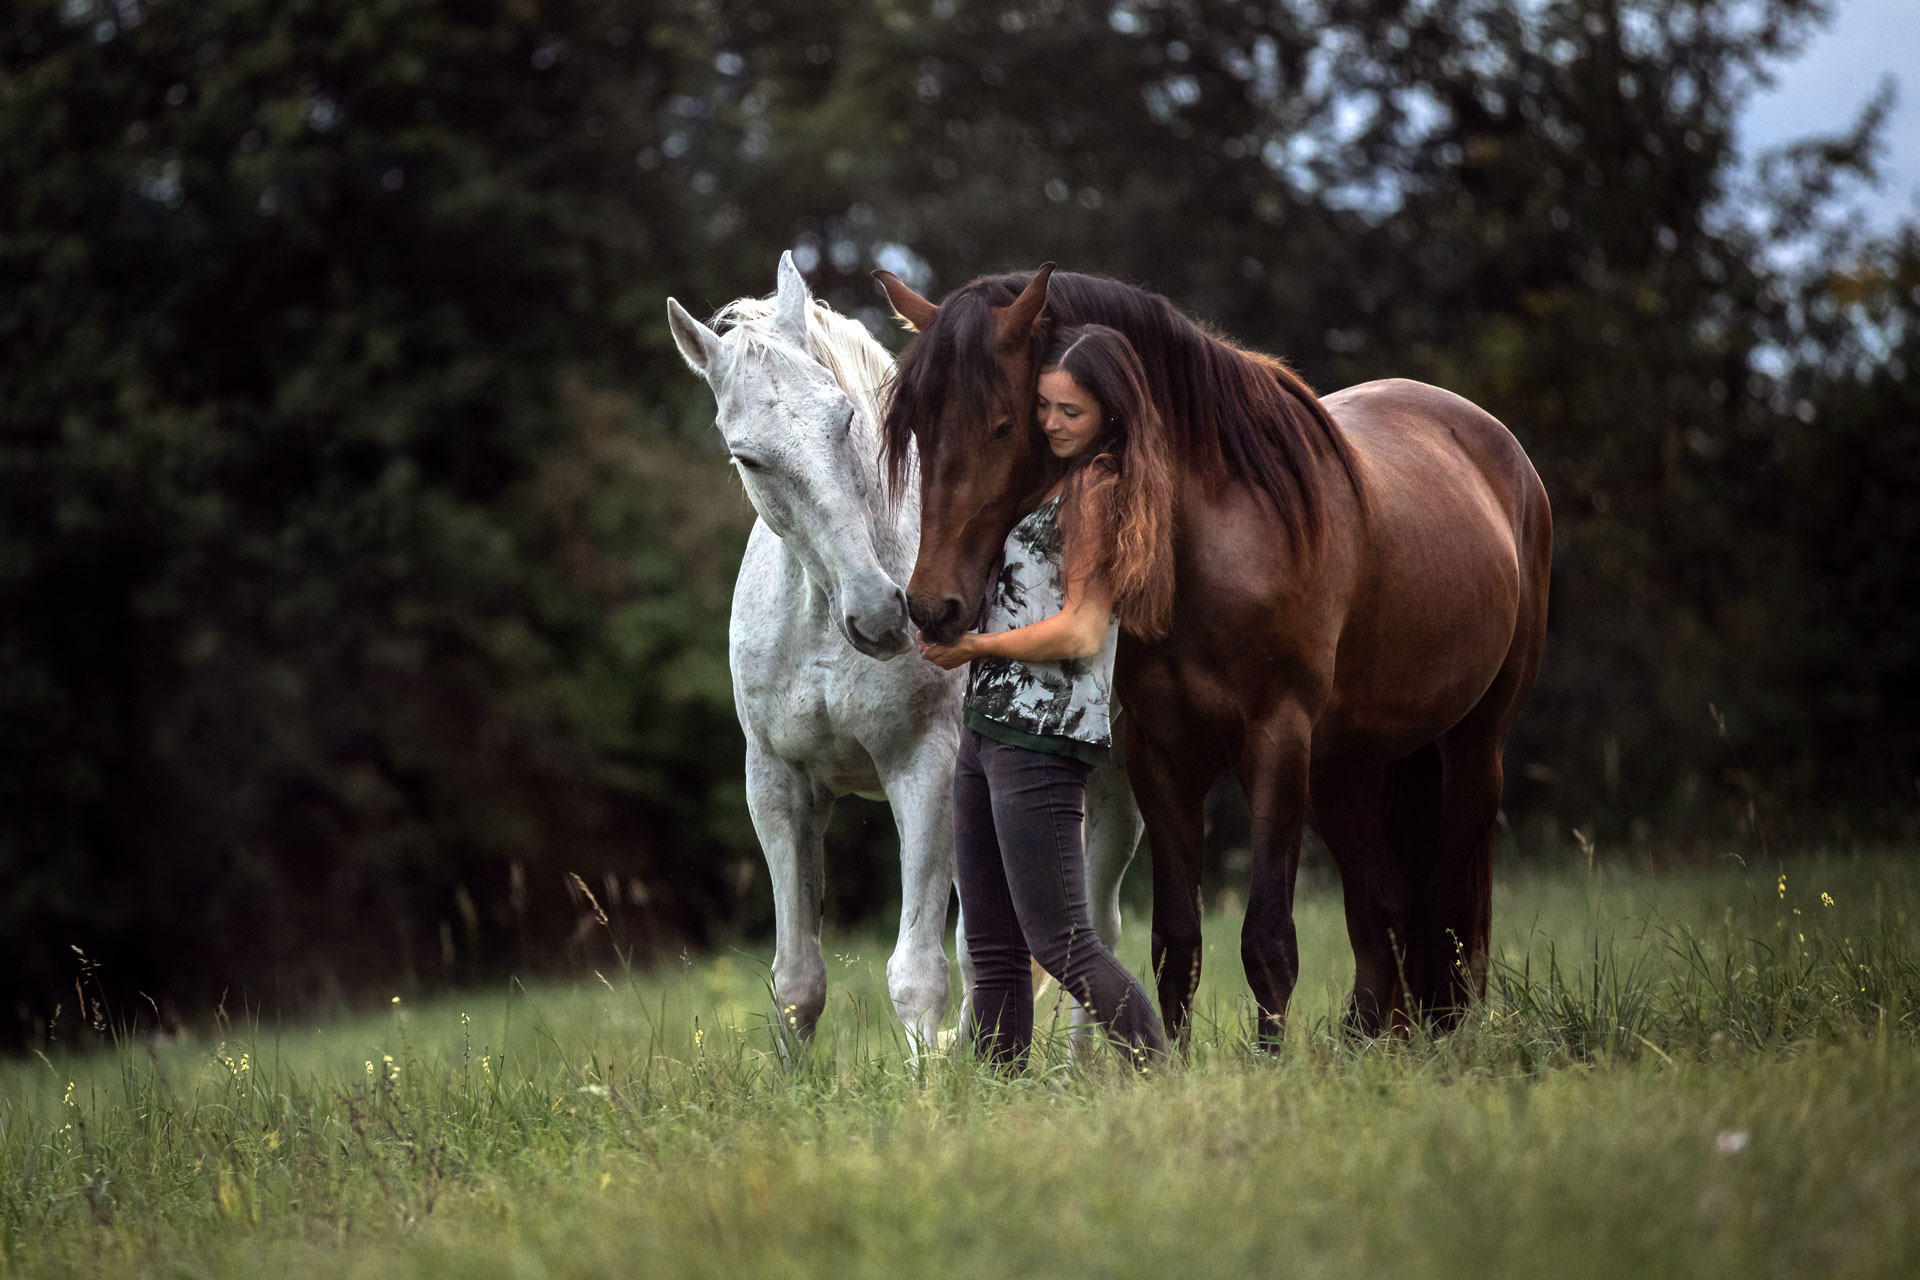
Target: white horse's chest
804, 694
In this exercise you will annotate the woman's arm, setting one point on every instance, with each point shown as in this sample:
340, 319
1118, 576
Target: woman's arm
1077, 631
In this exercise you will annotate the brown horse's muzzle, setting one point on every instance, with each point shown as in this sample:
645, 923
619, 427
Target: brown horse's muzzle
940, 617
951, 575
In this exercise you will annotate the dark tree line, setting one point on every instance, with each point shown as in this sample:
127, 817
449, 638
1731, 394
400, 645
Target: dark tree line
364, 550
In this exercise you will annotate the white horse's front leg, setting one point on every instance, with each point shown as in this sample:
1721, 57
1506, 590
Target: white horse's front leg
1113, 831
790, 816
921, 793
1114, 828
964, 958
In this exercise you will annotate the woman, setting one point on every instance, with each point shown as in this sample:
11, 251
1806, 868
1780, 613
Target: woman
1095, 556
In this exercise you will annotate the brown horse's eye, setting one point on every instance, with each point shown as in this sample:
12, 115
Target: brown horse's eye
1002, 431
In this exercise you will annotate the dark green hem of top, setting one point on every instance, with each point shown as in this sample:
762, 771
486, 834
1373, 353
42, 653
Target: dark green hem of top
1050, 744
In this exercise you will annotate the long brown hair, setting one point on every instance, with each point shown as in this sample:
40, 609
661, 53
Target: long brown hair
1116, 503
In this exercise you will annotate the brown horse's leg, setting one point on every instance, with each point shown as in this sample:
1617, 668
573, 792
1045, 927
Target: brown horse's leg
1453, 886
1171, 794
1352, 808
1273, 772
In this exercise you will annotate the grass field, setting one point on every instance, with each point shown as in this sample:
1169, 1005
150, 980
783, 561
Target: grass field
1711, 1072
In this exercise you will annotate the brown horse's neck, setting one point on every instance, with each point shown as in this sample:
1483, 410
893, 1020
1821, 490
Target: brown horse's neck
1200, 496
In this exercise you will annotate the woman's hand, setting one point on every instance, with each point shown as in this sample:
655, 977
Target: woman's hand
964, 649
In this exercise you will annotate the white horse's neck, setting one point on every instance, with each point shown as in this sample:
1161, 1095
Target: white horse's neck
862, 368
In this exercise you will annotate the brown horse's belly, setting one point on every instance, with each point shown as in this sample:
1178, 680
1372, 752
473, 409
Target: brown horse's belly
1415, 682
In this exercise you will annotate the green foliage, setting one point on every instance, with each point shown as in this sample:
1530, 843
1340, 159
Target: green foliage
341, 603
1714, 1087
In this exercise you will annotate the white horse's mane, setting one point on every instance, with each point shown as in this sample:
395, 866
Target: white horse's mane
857, 362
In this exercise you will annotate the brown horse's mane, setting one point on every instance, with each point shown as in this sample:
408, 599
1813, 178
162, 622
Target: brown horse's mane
1230, 414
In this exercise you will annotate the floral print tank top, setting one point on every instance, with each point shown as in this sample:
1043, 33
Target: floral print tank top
1060, 707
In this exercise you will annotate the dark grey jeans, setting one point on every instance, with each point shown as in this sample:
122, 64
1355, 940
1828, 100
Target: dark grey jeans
1021, 869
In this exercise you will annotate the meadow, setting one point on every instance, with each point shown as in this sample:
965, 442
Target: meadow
1708, 1070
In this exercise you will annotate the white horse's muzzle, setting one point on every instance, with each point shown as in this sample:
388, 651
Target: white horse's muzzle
876, 622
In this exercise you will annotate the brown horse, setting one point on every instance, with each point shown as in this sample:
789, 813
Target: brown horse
1360, 600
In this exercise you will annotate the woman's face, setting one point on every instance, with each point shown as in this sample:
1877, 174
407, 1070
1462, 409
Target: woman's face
1070, 417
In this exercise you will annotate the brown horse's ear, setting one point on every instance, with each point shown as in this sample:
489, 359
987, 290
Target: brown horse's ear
1015, 324
914, 311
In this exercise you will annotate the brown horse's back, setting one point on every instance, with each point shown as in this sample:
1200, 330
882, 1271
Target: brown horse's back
1450, 555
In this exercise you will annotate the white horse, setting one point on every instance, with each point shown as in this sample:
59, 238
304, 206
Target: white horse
817, 614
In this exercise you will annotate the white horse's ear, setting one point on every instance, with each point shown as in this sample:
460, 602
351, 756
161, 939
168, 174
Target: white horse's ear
792, 301
699, 345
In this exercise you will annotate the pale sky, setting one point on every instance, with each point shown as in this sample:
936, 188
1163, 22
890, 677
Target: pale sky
1824, 88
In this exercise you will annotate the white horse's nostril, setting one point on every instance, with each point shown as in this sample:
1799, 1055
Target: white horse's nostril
869, 636
882, 640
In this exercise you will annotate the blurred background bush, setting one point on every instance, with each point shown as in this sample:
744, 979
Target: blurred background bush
365, 549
